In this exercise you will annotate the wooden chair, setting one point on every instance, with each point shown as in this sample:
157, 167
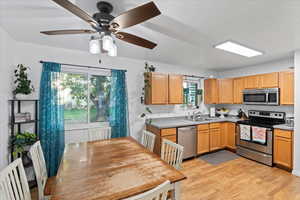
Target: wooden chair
13, 182
158, 193
148, 140
40, 170
99, 134
172, 153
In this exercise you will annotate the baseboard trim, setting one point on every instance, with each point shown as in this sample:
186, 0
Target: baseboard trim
296, 172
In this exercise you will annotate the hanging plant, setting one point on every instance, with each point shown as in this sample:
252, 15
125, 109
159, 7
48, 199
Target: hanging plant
22, 83
148, 68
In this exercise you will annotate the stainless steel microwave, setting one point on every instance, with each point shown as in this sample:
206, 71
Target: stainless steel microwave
269, 96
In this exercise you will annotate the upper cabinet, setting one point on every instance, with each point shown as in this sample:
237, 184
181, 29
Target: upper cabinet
163, 89
286, 85
156, 88
269, 80
225, 91
211, 91
238, 87
175, 89
230, 91
252, 82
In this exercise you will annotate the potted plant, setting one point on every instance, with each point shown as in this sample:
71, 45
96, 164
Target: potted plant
23, 86
21, 142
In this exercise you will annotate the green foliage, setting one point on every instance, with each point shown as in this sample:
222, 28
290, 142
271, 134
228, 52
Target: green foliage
99, 85
21, 140
23, 84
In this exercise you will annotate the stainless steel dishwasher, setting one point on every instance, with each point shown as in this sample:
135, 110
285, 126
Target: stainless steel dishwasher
187, 137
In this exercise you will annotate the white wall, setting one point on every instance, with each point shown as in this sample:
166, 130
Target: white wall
31, 54
6, 62
296, 170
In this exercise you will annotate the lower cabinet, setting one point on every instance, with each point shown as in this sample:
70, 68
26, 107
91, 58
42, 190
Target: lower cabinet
167, 133
230, 132
215, 136
215, 139
283, 148
203, 141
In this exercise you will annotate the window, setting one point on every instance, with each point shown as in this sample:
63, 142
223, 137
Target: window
86, 97
192, 92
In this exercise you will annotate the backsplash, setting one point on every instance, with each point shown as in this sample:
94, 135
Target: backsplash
289, 110
162, 111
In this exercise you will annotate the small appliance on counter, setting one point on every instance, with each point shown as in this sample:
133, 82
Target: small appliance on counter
290, 121
212, 112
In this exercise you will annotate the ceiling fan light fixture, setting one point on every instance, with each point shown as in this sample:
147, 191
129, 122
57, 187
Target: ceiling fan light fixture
94, 46
108, 42
113, 51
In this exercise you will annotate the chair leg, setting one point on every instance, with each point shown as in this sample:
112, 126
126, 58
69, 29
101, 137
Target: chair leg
176, 191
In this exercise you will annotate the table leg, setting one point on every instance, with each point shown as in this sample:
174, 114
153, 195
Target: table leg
176, 191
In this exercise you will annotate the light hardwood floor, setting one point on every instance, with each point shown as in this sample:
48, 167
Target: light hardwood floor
239, 179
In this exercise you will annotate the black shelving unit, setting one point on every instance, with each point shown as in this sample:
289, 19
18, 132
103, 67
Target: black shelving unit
17, 104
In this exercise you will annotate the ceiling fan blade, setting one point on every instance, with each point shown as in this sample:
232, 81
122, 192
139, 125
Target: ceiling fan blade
135, 16
68, 32
77, 11
135, 40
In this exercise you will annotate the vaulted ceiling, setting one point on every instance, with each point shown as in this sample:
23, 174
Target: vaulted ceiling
185, 32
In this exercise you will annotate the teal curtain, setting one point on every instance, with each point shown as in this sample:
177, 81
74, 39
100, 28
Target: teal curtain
118, 109
51, 117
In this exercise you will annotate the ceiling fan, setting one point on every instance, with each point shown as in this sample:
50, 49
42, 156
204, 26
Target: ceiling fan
107, 25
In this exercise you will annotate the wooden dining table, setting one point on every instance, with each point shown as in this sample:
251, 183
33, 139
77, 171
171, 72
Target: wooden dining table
110, 170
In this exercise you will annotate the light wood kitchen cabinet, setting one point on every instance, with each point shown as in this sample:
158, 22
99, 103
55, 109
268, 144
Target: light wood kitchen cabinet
211, 91
162, 89
231, 135
283, 148
167, 133
269, 80
225, 87
208, 137
228, 135
286, 85
203, 141
252, 82
215, 139
175, 89
238, 87
156, 88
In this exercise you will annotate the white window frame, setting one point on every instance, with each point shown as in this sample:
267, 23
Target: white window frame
88, 73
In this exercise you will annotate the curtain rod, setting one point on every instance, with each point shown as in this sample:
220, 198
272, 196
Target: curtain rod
84, 66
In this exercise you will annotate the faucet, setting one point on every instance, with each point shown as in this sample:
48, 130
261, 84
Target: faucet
196, 114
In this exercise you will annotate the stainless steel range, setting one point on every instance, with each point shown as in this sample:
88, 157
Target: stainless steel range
254, 137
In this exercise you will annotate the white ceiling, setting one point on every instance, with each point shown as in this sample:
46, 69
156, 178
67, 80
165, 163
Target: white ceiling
185, 32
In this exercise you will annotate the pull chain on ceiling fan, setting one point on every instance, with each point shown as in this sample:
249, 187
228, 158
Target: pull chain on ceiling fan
107, 25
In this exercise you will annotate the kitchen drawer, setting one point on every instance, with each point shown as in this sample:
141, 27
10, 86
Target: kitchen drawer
171, 138
214, 125
283, 133
202, 127
168, 131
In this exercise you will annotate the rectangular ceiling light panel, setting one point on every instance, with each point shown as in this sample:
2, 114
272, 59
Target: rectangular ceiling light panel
238, 49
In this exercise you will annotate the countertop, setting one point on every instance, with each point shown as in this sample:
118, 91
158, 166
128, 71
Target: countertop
175, 122
284, 127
